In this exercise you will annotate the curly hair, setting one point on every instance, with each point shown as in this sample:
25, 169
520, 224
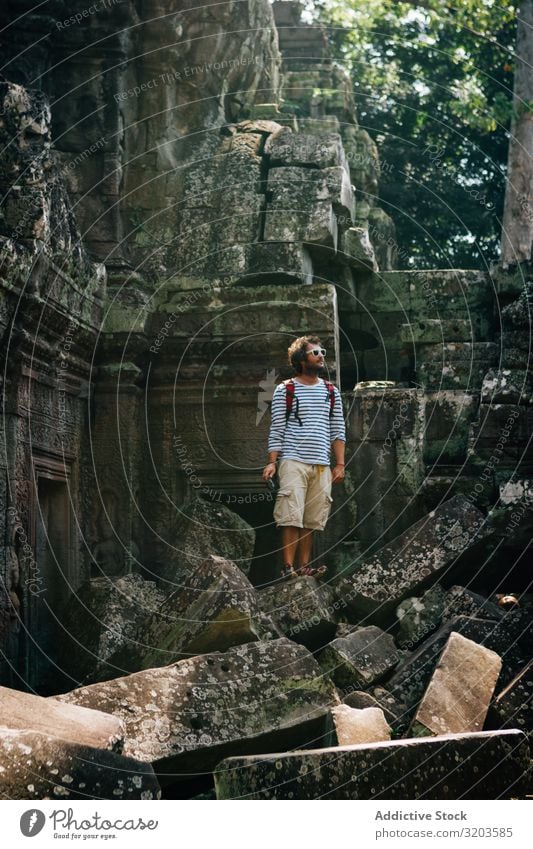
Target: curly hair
298, 351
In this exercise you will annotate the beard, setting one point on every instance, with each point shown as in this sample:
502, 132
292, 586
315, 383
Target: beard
311, 369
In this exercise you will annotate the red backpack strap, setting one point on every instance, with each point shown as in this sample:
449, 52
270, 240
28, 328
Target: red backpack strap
331, 395
289, 397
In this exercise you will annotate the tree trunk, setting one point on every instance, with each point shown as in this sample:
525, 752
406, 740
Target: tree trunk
517, 231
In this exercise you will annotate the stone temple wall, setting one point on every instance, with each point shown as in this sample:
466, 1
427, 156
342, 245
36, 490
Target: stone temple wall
185, 190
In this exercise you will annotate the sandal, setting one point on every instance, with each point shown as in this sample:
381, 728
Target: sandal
313, 571
288, 571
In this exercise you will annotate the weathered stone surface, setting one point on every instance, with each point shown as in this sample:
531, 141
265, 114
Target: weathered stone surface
363, 159
354, 726
419, 617
358, 250
101, 618
447, 293
344, 629
213, 609
382, 232
273, 262
203, 529
461, 687
42, 766
454, 365
448, 415
494, 422
410, 680
507, 386
513, 706
519, 625
302, 609
25, 712
395, 712
460, 601
412, 560
361, 659
184, 718
319, 151
386, 427
434, 330
301, 208
486, 765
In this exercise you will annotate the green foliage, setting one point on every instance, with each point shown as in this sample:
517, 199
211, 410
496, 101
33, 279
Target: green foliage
434, 88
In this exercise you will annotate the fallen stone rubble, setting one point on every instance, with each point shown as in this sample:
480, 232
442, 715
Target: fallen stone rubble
429, 699
445, 767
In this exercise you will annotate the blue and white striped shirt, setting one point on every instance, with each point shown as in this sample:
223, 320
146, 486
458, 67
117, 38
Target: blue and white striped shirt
311, 441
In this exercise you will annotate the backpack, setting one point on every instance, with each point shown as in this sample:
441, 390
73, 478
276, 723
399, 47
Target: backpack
289, 398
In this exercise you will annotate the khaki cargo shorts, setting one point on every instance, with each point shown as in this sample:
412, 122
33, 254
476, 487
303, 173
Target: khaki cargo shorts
304, 496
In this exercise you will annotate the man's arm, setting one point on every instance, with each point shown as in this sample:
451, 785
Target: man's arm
338, 448
338, 439
277, 431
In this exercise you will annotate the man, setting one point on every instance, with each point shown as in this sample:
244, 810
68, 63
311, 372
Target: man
307, 424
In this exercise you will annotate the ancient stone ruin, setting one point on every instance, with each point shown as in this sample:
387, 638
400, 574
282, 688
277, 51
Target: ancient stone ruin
184, 191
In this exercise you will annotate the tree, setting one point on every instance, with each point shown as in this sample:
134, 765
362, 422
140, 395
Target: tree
517, 231
434, 88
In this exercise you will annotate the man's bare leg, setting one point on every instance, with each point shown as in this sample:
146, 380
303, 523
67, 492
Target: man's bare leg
290, 537
305, 547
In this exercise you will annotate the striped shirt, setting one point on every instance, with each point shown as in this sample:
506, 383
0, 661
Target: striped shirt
310, 441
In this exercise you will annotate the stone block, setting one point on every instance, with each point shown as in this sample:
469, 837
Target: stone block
302, 609
395, 713
512, 707
357, 249
363, 158
213, 608
382, 232
211, 227
270, 262
411, 561
448, 416
355, 726
446, 293
361, 659
318, 227
202, 529
186, 717
455, 365
460, 601
26, 712
486, 765
102, 617
303, 204
458, 695
381, 412
411, 678
419, 616
317, 151
501, 421
42, 766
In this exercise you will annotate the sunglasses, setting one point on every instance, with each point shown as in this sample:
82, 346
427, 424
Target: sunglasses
317, 352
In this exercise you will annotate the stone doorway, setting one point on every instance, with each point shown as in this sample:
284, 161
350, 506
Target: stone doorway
50, 576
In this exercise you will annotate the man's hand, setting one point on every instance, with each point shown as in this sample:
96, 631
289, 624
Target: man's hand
269, 471
337, 474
